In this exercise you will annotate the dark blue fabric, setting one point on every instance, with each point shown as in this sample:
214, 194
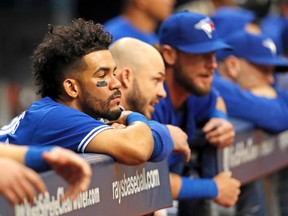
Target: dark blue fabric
192, 116
120, 27
252, 200
269, 114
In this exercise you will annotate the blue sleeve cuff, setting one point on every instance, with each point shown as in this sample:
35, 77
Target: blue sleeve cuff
34, 158
136, 117
198, 188
219, 114
163, 143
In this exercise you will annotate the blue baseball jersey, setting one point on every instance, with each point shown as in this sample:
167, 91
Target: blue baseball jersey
47, 123
266, 113
120, 27
194, 112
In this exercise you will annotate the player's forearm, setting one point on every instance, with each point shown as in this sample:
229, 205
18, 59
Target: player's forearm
13, 151
140, 139
31, 156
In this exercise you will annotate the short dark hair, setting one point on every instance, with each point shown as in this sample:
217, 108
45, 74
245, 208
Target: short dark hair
63, 47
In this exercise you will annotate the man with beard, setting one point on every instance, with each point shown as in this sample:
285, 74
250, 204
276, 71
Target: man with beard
141, 71
188, 42
75, 73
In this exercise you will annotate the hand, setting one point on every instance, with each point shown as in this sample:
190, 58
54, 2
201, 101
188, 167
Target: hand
180, 141
18, 182
219, 132
71, 168
228, 189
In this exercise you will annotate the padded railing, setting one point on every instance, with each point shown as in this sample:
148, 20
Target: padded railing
116, 189
255, 153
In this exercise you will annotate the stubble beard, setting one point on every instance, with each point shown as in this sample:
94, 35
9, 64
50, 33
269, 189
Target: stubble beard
98, 108
188, 84
134, 99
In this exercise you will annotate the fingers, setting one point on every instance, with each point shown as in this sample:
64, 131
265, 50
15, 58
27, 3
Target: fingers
12, 197
222, 140
36, 181
212, 124
24, 185
25, 190
228, 187
71, 193
72, 168
219, 132
187, 154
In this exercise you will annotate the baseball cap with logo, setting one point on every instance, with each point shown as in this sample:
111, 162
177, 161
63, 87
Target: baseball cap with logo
255, 48
191, 33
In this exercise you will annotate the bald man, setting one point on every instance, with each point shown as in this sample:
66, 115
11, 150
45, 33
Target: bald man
141, 71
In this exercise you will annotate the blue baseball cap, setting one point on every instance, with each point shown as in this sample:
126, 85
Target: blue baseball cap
229, 20
191, 33
255, 48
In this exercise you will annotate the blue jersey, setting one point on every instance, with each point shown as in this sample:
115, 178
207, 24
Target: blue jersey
194, 112
269, 114
47, 123
120, 27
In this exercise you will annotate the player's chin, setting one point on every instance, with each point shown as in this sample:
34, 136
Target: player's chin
203, 90
115, 108
114, 114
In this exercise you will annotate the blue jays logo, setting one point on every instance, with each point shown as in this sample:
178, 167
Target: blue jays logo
268, 43
206, 25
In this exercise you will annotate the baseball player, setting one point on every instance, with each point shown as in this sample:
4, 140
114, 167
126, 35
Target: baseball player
75, 73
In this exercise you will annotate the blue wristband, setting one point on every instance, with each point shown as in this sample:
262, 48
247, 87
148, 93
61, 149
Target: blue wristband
219, 114
163, 143
198, 188
34, 158
136, 117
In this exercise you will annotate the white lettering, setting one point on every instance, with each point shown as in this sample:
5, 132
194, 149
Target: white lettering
50, 205
135, 184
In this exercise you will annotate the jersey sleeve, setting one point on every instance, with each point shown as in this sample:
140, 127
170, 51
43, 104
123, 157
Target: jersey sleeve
68, 128
266, 113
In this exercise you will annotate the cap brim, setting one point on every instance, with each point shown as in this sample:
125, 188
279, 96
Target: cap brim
281, 64
210, 46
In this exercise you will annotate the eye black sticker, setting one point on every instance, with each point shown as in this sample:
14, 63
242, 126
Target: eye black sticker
101, 84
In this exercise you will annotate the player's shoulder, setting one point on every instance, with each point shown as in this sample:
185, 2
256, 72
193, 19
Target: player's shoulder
48, 108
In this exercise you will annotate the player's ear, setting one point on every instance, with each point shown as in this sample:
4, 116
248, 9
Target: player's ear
169, 54
233, 67
71, 87
126, 77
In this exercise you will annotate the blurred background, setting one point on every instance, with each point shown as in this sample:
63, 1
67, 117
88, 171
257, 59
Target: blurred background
23, 24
